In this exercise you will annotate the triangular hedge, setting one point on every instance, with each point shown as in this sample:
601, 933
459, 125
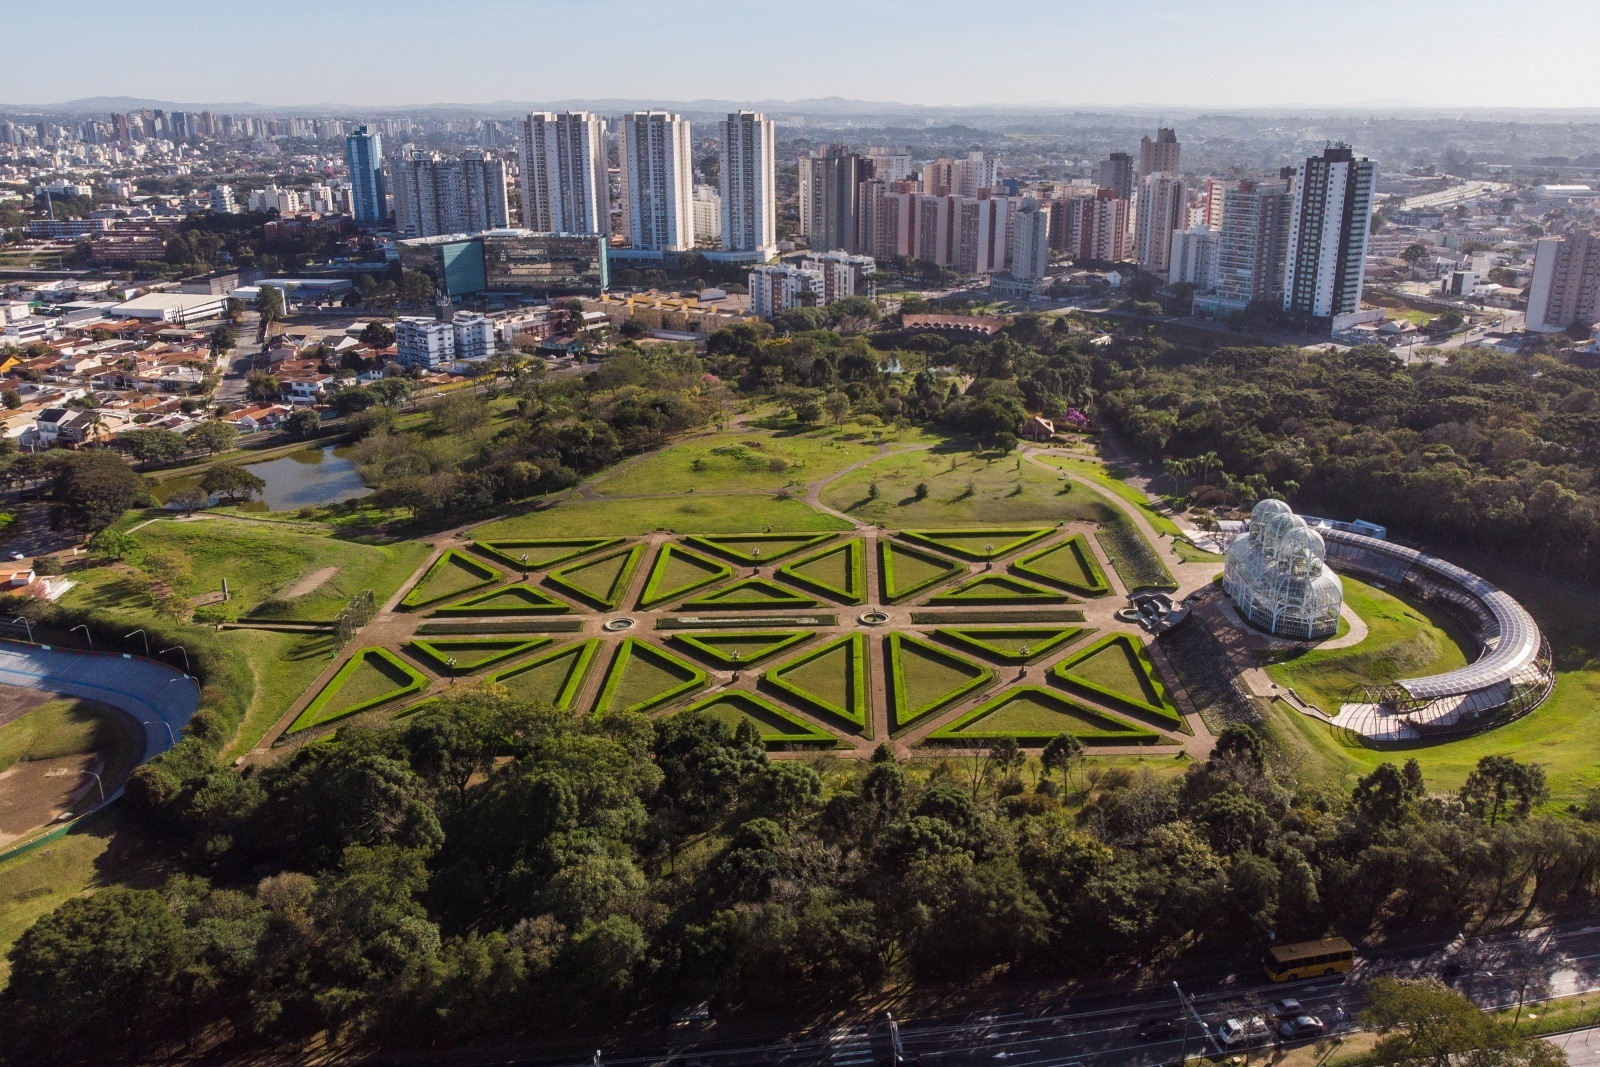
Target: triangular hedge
677, 572
642, 676
371, 676
451, 575
904, 571
927, 678
1117, 669
830, 679
838, 572
472, 653
555, 676
542, 552
1006, 643
978, 545
753, 549
1033, 715
751, 593
778, 728
516, 599
999, 589
1069, 564
602, 582
753, 646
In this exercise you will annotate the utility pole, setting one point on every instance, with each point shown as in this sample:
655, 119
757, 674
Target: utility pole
1192, 1013
897, 1049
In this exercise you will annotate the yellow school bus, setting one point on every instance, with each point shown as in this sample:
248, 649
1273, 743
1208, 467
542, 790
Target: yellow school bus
1309, 959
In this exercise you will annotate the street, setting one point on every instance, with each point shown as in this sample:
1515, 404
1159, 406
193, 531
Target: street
1102, 1028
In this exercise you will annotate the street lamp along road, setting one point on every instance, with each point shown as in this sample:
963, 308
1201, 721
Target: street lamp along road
178, 648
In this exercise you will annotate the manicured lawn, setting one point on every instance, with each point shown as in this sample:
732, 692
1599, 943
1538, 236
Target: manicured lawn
1069, 564
999, 492
740, 648
1033, 716
472, 653
1117, 670
261, 563
1100, 475
1135, 562
999, 589
686, 514
778, 728
1190, 554
757, 548
602, 581
371, 677
838, 572
677, 572
642, 676
1403, 641
905, 571
283, 664
451, 575
551, 678
926, 678
750, 593
538, 553
832, 678
517, 599
743, 459
977, 545
1012, 644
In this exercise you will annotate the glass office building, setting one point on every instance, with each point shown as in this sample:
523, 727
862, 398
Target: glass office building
520, 262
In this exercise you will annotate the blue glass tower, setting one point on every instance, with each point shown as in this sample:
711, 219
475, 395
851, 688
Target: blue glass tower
363, 154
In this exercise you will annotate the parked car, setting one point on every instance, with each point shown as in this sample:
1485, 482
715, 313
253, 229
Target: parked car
1287, 1008
1241, 1033
693, 1015
1301, 1026
1158, 1030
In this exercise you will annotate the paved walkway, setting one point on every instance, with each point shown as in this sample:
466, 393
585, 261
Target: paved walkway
393, 628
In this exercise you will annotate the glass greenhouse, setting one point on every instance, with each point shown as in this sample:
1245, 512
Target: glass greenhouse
1277, 578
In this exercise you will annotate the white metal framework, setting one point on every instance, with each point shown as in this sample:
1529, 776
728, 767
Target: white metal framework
1277, 577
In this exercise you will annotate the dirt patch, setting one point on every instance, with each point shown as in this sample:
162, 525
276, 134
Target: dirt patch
37, 792
309, 582
16, 701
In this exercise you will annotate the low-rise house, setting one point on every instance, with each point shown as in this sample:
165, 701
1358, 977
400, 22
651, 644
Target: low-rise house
1037, 428
256, 418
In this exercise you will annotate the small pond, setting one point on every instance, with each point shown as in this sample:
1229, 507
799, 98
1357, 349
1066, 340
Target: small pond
310, 477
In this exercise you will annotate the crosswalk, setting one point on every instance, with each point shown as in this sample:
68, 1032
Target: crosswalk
850, 1046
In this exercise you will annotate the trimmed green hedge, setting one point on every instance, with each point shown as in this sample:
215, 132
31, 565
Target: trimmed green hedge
612, 597
1096, 727
1009, 539
787, 729
722, 544
855, 567
633, 648
312, 715
653, 594
1166, 710
905, 712
999, 589
727, 598
780, 640
415, 597
1132, 557
547, 551
438, 653
585, 652
1078, 546
886, 576
1048, 638
856, 666
533, 602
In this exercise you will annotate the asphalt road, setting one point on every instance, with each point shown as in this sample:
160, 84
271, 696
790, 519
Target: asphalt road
1101, 1029
1581, 1046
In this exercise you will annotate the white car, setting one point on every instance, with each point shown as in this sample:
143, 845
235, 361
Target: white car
1239, 1033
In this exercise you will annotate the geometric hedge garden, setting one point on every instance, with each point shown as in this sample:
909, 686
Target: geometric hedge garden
371, 677
927, 678
778, 728
1117, 670
642, 676
1034, 715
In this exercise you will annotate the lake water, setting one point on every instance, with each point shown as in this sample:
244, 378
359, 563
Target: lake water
311, 477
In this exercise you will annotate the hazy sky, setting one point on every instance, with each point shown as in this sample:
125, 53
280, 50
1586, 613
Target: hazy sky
1213, 53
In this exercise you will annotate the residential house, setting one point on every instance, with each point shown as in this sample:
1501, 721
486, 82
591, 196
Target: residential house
256, 418
1037, 428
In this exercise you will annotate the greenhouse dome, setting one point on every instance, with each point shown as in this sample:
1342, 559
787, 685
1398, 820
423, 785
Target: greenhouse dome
1277, 577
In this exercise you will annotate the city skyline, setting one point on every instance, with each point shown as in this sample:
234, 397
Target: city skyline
1238, 54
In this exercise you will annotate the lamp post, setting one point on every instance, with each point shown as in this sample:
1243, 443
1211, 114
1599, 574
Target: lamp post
179, 648
172, 738
141, 633
23, 619
99, 783
86, 634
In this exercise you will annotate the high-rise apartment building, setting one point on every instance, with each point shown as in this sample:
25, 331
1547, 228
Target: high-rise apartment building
843, 274
1159, 155
830, 190
979, 237
745, 178
657, 181
779, 287
1252, 247
1565, 290
1162, 208
564, 184
1030, 241
1193, 257
889, 165
1096, 227
363, 155
1116, 174
971, 175
434, 194
1328, 234
708, 210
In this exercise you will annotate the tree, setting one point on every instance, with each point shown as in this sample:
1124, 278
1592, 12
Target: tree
391, 392
11, 399
1415, 253
377, 334
223, 338
1500, 786
269, 304
1063, 753
93, 489
152, 445
303, 423
837, 405
214, 436
262, 386
232, 481
1426, 1023
113, 544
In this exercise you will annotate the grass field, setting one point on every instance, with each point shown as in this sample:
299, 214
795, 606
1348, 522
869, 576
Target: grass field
1403, 641
372, 676
452, 573
926, 678
70, 728
677, 572
904, 571
738, 460
1116, 668
838, 572
738, 648
963, 490
1034, 715
261, 563
1069, 563
283, 664
643, 676
832, 678
686, 514
776, 726
1102, 477
551, 678
999, 589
